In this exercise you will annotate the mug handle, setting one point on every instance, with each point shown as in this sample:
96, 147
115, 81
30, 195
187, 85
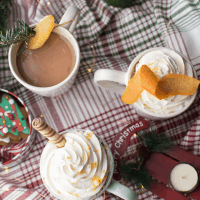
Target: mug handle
121, 191
112, 80
71, 13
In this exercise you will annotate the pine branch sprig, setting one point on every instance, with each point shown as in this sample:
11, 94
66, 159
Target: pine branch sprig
4, 11
151, 141
14, 35
156, 142
129, 171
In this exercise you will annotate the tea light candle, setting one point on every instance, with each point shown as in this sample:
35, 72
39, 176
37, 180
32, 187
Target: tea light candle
184, 177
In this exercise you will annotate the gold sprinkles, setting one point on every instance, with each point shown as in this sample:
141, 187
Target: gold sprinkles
89, 135
93, 165
82, 172
84, 158
73, 194
97, 180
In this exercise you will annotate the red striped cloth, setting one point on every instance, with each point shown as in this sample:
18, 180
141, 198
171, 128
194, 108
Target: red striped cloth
117, 36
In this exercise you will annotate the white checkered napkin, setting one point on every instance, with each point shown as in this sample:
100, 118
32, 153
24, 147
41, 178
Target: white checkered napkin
191, 141
117, 36
180, 26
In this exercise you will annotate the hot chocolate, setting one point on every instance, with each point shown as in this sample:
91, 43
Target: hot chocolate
162, 64
79, 170
48, 65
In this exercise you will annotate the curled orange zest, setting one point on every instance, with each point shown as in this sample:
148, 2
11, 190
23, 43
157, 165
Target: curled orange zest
171, 84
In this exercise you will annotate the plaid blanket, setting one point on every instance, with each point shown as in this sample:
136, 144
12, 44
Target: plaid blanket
117, 35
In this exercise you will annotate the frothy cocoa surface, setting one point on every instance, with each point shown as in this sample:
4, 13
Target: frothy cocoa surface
48, 65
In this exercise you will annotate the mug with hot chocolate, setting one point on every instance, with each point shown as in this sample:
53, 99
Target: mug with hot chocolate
160, 83
78, 164
48, 65
50, 61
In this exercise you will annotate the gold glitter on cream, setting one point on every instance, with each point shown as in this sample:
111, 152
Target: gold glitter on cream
82, 172
89, 135
96, 181
93, 165
84, 158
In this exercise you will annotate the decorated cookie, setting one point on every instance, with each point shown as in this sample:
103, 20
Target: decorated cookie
13, 124
14, 149
6, 141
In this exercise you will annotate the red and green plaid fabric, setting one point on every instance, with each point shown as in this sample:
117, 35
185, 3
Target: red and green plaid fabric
117, 36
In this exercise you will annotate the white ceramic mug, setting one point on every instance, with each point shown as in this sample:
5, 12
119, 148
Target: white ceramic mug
111, 186
71, 13
116, 81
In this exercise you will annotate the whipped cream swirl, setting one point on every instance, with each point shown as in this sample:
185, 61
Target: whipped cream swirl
76, 171
162, 64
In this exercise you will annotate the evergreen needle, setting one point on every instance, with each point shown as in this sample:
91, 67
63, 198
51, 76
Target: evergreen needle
14, 35
130, 173
4, 11
151, 142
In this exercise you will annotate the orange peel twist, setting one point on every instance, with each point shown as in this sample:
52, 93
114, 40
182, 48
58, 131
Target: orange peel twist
43, 30
171, 84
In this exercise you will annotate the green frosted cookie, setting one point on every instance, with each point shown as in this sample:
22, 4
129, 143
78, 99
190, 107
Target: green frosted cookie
12, 122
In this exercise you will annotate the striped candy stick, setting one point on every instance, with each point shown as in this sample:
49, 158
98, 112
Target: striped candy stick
44, 129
